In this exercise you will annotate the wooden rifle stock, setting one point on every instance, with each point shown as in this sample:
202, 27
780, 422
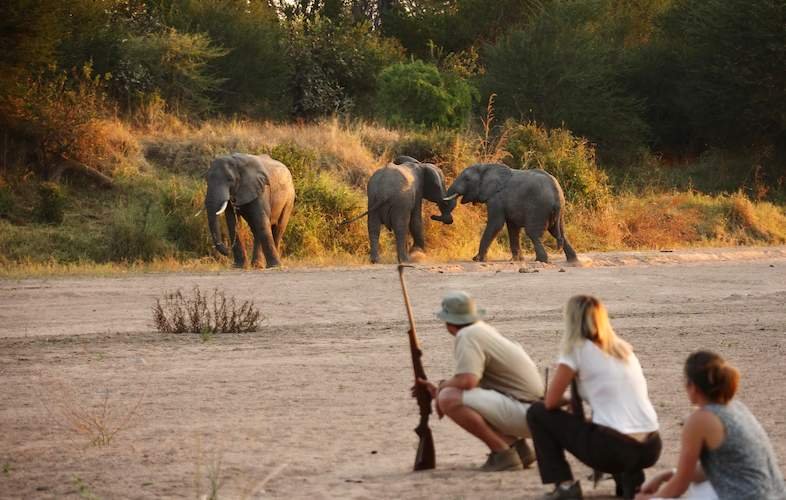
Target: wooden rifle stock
425, 456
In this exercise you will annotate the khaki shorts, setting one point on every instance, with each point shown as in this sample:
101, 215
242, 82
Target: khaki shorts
505, 414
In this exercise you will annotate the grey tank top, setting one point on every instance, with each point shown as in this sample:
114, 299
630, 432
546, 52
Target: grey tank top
744, 466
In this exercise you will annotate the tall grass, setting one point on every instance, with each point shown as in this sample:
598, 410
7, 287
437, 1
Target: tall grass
154, 217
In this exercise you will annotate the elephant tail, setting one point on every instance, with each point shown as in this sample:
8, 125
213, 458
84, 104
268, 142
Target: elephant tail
353, 219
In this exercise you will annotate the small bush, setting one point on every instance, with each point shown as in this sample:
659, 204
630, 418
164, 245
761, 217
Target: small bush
418, 93
176, 313
569, 158
51, 203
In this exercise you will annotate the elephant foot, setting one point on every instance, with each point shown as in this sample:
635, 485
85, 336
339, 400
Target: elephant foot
239, 265
479, 258
272, 265
517, 258
374, 258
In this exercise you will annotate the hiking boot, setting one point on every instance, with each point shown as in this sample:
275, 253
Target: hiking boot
502, 460
526, 454
571, 492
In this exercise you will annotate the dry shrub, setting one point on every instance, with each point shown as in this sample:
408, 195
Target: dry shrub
199, 313
113, 148
99, 421
742, 218
339, 148
658, 222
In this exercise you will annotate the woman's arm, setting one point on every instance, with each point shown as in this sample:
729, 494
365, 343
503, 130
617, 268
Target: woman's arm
688, 467
555, 395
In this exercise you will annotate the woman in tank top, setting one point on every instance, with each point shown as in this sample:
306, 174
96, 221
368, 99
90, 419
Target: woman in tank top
622, 437
725, 452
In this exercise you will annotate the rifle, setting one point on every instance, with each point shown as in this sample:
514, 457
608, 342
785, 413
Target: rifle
424, 458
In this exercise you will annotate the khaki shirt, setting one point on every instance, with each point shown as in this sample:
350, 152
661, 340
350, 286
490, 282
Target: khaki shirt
499, 363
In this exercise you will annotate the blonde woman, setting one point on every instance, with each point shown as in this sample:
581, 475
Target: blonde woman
725, 453
622, 437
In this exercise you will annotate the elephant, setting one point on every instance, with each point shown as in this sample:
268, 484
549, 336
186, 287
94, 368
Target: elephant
260, 190
395, 197
528, 199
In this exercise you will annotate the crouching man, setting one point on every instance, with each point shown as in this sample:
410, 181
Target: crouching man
494, 384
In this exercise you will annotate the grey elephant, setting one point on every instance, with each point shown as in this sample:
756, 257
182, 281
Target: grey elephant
521, 199
260, 190
395, 199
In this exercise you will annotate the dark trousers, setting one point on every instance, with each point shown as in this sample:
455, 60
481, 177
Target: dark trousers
602, 448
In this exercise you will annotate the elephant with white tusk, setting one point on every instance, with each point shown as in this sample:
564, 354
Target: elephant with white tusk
521, 199
395, 199
260, 190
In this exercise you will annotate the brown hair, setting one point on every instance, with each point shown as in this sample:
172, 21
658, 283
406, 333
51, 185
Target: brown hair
710, 373
586, 319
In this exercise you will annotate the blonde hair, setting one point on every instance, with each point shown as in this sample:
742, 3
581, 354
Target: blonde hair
586, 319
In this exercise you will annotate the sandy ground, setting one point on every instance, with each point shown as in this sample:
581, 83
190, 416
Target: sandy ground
316, 404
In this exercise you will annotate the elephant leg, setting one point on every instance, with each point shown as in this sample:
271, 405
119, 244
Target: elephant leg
259, 221
400, 230
515, 245
493, 227
281, 226
416, 228
238, 252
374, 226
570, 254
540, 251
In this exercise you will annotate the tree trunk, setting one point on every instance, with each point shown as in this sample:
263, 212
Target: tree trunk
82, 169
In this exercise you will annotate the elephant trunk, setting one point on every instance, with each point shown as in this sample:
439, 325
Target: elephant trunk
214, 206
446, 205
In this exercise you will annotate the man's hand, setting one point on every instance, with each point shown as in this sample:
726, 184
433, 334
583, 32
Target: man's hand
433, 390
430, 387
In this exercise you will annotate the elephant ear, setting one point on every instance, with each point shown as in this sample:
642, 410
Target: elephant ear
252, 180
494, 178
433, 183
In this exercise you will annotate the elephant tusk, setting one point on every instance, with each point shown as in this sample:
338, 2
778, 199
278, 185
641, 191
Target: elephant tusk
454, 195
223, 207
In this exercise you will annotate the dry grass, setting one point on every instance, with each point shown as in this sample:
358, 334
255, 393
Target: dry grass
176, 313
100, 421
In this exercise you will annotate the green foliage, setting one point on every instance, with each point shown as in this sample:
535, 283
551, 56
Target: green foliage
182, 201
256, 70
454, 25
51, 203
418, 93
714, 74
568, 158
563, 70
136, 232
6, 201
336, 66
175, 66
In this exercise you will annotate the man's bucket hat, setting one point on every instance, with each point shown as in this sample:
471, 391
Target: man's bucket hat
458, 308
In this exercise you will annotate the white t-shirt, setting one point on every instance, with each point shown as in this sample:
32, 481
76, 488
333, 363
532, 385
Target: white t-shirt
615, 389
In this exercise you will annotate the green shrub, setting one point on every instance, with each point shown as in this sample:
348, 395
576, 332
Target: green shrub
418, 93
182, 201
6, 201
51, 203
322, 203
564, 70
175, 66
569, 158
137, 231
335, 66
